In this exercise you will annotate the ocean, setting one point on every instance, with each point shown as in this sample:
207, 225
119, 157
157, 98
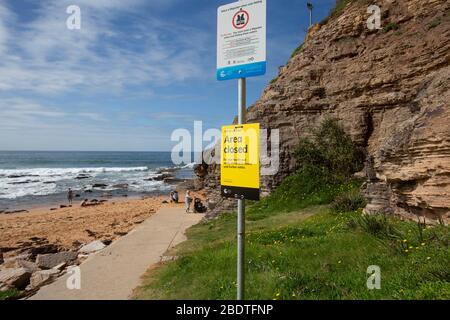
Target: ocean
33, 179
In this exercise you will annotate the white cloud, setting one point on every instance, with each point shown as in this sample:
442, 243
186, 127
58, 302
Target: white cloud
20, 113
49, 58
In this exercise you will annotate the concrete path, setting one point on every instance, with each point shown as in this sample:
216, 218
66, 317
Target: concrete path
114, 272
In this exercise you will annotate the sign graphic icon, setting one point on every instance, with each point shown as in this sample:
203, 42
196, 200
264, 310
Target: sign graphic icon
241, 40
240, 19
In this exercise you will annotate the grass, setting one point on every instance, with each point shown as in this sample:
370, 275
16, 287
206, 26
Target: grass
309, 240
12, 294
391, 26
307, 253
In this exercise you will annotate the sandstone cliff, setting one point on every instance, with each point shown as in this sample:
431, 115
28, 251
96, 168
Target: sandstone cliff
390, 90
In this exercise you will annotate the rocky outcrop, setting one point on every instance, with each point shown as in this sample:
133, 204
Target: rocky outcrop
390, 90
48, 261
15, 278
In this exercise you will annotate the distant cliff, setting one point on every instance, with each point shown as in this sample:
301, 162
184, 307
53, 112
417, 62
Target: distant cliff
390, 90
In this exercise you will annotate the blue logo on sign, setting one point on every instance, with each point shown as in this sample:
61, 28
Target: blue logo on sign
242, 71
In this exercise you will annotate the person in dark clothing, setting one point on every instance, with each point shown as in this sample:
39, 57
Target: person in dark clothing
198, 206
70, 196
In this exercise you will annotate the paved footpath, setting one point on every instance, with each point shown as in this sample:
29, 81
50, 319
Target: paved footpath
114, 272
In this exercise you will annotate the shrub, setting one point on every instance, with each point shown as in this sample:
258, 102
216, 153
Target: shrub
349, 201
331, 148
391, 26
378, 225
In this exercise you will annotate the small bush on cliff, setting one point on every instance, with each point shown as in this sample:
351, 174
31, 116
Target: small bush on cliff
330, 148
391, 26
349, 201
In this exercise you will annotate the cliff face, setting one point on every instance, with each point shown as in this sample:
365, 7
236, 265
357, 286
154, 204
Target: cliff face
390, 90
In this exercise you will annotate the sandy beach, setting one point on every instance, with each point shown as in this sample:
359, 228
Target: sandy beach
68, 228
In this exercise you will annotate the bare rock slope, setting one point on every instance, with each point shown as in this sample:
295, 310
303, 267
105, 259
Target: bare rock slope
390, 90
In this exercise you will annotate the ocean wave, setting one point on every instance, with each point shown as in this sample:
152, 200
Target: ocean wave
22, 173
189, 166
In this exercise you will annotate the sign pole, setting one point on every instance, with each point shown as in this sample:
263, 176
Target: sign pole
242, 101
241, 53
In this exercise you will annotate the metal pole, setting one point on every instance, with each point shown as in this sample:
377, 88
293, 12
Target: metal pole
242, 101
310, 17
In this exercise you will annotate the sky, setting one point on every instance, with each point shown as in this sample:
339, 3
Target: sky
133, 73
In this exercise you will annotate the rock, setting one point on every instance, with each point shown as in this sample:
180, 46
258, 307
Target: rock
88, 191
107, 242
60, 266
160, 177
43, 277
82, 176
121, 186
4, 287
16, 211
44, 249
11, 262
1, 258
94, 246
48, 261
27, 265
99, 185
63, 206
17, 278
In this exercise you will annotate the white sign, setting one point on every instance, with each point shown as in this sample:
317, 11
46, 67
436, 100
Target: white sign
241, 40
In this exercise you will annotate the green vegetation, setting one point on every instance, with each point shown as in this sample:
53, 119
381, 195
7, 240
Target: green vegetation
12, 294
391, 26
348, 201
273, 80
330, 149
309, 240
297, 50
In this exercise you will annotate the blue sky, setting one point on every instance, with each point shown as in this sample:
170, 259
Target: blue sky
137, 70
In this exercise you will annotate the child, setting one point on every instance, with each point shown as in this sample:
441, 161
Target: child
188, 200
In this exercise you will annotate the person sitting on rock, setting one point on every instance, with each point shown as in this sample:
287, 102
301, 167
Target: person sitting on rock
174, 196
85, 203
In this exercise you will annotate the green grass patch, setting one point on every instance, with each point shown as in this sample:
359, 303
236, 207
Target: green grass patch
312, 257
12, 294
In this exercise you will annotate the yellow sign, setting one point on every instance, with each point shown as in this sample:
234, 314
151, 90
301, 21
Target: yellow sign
239, 173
